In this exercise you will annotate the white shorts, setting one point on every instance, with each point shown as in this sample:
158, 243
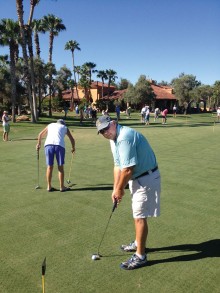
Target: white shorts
145, 195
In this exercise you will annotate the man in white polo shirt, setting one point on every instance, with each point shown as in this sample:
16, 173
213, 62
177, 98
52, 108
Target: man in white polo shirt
55, 146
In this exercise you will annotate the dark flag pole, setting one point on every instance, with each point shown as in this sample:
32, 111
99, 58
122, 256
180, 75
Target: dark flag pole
43, 275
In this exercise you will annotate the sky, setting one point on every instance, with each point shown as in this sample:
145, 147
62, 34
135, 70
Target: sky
157, 38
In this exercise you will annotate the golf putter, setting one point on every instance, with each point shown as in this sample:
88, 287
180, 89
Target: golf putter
38, 171
98, 255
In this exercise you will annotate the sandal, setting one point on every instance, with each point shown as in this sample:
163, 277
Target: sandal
65, 189
52, 189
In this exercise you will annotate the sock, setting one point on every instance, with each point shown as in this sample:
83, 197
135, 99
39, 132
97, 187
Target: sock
142, 257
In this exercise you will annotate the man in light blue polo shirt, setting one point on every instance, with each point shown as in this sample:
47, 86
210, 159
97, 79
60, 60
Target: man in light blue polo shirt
134, 164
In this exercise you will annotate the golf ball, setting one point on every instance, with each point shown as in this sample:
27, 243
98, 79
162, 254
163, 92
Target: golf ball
95, 257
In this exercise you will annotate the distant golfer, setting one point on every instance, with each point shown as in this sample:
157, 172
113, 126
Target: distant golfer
5, 125
218, 114
55, 146
134, 164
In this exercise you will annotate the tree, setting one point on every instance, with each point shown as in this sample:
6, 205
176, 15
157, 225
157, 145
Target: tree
203, 94
9, 36
90, 67
143, 91
129, 95
33, 3
102, 74
216, 93
53, 25
78, 71
28, 28
111, 75
183, 86
37, 28
28, 79
5, 82
84, 82
40, 80
123, 84
72, 46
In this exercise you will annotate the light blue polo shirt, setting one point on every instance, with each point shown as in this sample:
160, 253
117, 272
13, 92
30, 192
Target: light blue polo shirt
131, 148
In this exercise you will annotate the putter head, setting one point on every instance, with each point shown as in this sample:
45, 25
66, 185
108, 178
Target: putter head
68, 181
37, 187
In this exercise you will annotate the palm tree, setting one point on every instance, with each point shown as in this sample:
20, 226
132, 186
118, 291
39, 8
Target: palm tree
111, 75
9, 36
84, 82
78, 71
102, 74
53, 25
33, 3
72, 46
90, 66
71, 83
20, 13
37, 28
89, 69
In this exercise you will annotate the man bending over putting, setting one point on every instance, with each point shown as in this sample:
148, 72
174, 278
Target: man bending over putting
55, 146
134, 164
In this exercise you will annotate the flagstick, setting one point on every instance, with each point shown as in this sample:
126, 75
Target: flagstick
43, 274
43, 284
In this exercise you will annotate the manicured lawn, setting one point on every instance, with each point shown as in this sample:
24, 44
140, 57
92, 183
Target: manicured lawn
67, 227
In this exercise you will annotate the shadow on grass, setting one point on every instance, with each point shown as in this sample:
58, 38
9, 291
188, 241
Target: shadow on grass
196, 251
94, 188
18, 139
201, 250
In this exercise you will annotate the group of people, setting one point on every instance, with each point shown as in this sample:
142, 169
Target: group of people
145, 115
134, 163
88, 112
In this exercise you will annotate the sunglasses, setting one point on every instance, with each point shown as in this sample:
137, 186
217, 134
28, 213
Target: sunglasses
102, 131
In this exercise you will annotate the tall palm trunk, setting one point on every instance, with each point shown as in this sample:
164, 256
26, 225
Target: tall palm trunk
31, 55
50, 75
37, 48
74, 74
20, 12
13, 80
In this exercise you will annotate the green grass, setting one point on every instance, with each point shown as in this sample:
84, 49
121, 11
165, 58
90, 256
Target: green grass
67, 227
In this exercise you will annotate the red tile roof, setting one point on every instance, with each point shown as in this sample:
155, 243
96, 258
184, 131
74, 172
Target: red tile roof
163, 92
68, 94
98, 84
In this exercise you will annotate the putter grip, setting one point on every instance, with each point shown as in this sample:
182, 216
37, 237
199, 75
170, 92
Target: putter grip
114, 205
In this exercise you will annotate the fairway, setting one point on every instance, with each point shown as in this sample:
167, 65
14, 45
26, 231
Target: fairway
66, 228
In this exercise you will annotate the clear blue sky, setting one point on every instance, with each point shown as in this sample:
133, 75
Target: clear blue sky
157, 38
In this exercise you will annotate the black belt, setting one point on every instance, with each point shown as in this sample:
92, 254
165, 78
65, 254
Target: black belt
147, 172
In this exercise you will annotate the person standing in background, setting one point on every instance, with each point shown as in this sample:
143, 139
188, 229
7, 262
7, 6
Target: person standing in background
117, 110
218, 114
6, 125
164, 116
